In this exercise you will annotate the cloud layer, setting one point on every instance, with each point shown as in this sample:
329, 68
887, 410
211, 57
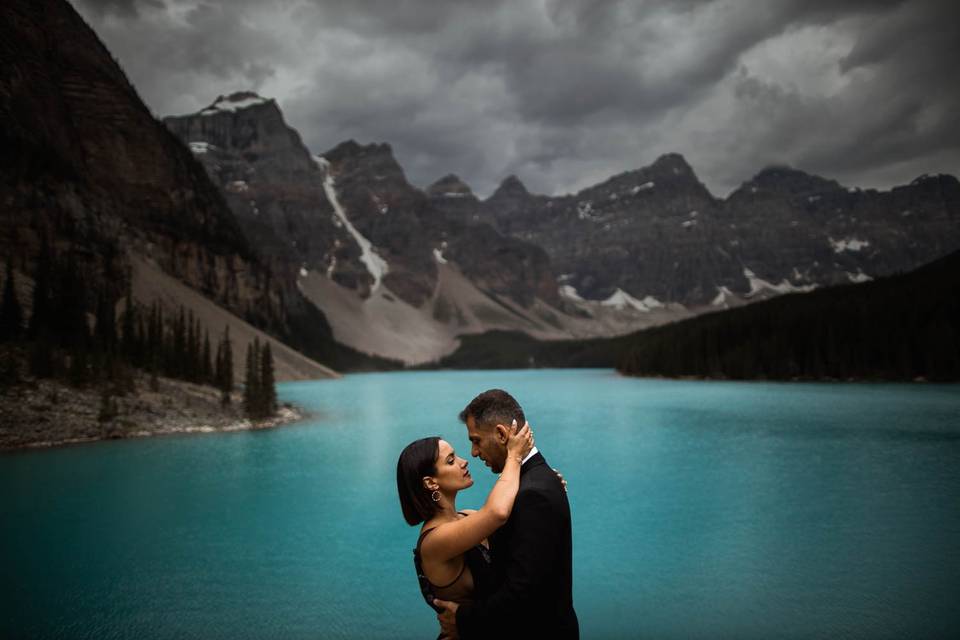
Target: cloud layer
565, 93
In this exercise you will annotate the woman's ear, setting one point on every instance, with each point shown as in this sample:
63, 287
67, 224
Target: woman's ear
430, 484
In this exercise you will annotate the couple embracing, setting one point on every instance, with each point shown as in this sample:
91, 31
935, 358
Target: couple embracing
504, 570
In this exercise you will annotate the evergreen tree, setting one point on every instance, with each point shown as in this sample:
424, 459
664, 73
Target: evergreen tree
155, 341
70, 302
108, 406
105, 330
138, 357
197, 349
79, 370
268, 389
192, 355
128, 328
225, 366
40, 328
41, 357
206, 370
251, 382
179, 350
40, 321
11, 317
9, 366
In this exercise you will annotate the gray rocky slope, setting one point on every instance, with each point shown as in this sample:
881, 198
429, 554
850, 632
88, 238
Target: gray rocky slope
87, 172
401, 271
394, 273
658, 232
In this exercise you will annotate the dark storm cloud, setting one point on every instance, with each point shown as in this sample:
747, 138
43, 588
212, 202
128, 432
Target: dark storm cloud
567, 92
126, 8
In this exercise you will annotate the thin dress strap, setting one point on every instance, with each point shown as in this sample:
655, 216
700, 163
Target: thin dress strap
419, 563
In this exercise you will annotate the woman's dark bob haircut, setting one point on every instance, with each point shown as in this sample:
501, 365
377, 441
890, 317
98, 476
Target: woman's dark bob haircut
419, 459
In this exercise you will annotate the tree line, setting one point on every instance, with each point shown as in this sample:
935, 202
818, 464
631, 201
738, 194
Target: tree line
57, 342
903, 327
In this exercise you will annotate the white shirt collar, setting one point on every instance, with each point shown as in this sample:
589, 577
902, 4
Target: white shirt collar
532, 453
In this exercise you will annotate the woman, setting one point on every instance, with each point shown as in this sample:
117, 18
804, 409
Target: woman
452, 558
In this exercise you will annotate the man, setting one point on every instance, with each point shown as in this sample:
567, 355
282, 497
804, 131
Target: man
532, 552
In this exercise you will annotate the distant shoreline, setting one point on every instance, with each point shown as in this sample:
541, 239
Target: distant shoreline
287, 414
47, 414
919, 380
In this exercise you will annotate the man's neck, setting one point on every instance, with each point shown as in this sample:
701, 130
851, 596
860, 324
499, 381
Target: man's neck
532, 453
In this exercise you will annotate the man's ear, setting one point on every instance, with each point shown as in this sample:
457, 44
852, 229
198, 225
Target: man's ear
504, 432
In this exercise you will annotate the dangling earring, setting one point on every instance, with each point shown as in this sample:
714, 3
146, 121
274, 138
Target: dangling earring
435, 496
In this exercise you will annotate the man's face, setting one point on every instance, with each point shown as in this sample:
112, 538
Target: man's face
485, 443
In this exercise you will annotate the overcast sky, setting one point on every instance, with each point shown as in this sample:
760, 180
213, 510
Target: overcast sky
565, 93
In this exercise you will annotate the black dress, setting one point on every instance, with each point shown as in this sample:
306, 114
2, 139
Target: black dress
476, 559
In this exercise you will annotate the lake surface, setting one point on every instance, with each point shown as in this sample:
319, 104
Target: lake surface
701, 510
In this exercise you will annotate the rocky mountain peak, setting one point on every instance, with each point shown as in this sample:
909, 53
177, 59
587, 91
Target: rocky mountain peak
935, 180
668, 177
672, 163
353, 150
246, 127
237, 101
373, 161
786, 179
450, 186
511, 187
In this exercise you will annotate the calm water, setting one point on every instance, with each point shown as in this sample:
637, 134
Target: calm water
701, 510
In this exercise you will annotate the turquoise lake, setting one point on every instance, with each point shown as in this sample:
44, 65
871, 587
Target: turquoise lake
700, 510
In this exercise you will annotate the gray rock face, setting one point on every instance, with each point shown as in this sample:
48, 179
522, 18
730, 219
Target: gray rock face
658, 232
655, 231
278, 192
806, 229
86, 165
407, 226
272, 184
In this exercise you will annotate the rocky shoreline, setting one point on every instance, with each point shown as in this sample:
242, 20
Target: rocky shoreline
46, 413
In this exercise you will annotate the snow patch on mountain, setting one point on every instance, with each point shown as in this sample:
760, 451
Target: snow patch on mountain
585, 210
621, 300
376, 265
848, 244
229, 104
200, 147
759, 284
859, 276
722, 296
570, 292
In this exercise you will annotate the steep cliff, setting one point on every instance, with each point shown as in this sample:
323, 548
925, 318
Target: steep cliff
85, 165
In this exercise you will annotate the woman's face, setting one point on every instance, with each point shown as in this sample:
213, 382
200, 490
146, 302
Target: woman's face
452, 474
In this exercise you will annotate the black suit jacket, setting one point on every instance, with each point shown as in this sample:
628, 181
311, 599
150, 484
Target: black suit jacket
533, 560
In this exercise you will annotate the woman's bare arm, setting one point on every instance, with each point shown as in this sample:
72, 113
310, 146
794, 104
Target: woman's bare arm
452, 539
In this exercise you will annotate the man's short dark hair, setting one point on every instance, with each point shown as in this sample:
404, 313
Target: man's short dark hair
492, 407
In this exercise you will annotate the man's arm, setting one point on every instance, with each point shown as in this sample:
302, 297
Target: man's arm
530, 559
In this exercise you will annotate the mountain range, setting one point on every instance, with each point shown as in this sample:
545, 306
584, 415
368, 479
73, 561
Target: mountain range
335, 254
403, 272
